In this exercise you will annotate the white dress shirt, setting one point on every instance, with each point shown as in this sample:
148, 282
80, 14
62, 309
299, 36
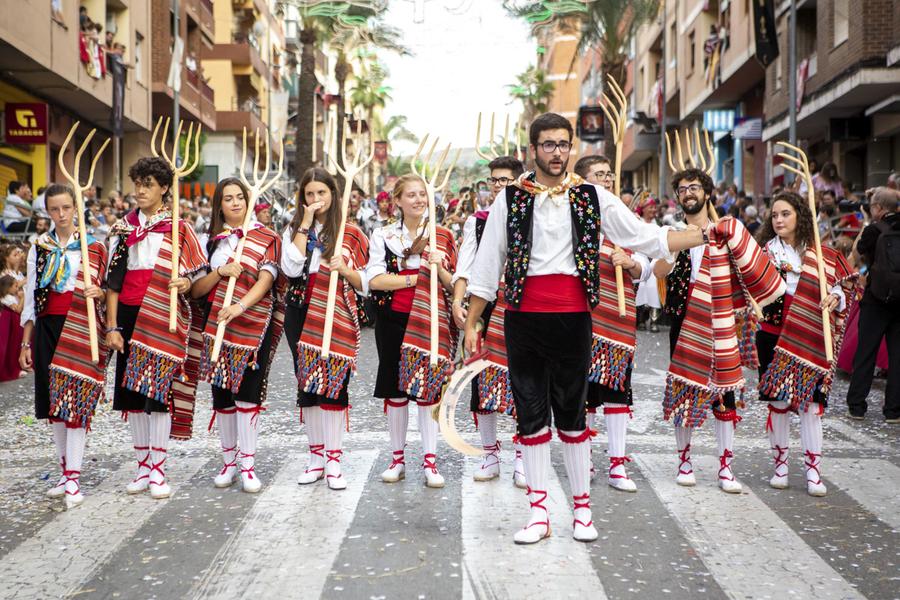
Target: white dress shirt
74, 257
292, 260
467, 251
551, 248
143, 254
397, 237
781, 253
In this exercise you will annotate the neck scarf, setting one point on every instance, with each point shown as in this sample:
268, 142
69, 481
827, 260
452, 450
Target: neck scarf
57, 269
157, 223
527, 182
228, 230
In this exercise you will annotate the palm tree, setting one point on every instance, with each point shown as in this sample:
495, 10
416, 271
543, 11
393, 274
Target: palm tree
533, 90
394, 130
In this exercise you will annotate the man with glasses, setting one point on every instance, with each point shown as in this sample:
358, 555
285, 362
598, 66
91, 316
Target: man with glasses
543, 239
504, 171
685, 294
613, 339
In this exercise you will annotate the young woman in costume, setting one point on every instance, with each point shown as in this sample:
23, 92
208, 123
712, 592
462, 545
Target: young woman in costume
794, 375
394, 273
252, 326
309, 256
55, 342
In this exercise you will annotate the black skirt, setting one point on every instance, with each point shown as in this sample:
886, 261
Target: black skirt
47, 330
390, 327
597, 394
250, 389
765, 349
123, 398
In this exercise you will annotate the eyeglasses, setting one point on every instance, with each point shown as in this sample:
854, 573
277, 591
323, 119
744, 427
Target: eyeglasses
693, 188
504, 181
603, 175
550, 146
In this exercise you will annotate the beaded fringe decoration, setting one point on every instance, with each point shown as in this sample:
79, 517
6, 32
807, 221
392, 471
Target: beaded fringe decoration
419, 378
73, 398
686, 404
228, 372
495, 391
791, 380
747, 325
151, 373
322, 376
609, 363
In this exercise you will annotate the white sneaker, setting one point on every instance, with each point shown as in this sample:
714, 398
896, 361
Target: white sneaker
490, 464
727, 481
685, 475
519, 472
433, 479
397, 470
618, 477
779, 479
538, 526
333, 475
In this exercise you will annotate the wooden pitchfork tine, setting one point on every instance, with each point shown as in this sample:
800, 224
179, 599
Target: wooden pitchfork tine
431, 186
350, 170
802, 162
492, 153
261, 183
187, 167
617, 115
73, 179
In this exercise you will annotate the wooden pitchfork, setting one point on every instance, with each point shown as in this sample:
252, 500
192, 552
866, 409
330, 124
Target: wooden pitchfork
617, 114
492, 152
187, 167
350, 170
699, 160
431, 186
73, 179
802, 169
261, 183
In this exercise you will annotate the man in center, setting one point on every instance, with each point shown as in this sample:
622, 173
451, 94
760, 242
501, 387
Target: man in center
543, 238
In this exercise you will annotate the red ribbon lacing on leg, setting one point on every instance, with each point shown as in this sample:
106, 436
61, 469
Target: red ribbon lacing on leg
812, 464
399, 459
618, 410
394, 404
725, 463
254, 410
144, 462
539, 503
158, 466
224, 411
582, 501
428, 462
317, 450
249, 470
233, 462
617, 461
573, 439
685, 456
73, 477
491, 452
335, 456
728, 415
774, 409
781, 459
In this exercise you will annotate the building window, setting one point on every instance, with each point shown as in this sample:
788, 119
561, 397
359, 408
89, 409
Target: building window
841, 21
672, 46
138, 57
641, 84
779, 71
692, 47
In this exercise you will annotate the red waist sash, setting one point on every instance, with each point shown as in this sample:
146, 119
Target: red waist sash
135, 286
57, 303
776, 329
553, 294
403, 298
310, 284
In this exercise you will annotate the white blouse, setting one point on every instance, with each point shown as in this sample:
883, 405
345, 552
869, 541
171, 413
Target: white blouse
224, 252
293, 260
74, 257
397, 237
143, 254
785, 254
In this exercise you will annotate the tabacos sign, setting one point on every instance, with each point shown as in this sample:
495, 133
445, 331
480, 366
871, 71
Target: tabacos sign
26, 123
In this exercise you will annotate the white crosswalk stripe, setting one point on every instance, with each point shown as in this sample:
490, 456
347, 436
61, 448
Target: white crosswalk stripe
871, 482
64, 552
306, 524
749, 550
494, 567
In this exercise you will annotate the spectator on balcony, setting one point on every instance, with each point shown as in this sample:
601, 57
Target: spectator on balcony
190, 63
90, 49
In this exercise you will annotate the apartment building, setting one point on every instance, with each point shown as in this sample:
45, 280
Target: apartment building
57, 75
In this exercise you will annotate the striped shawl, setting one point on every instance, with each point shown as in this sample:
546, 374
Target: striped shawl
245, 333
325, 376
705, 366
418, 377
494, 388
76, 384
157, 356
799, 365
612, 352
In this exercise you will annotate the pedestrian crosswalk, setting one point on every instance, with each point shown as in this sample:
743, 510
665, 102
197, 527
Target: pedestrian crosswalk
286, 541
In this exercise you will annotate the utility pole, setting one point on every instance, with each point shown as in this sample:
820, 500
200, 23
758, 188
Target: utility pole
792, 73
176, 112
662, 128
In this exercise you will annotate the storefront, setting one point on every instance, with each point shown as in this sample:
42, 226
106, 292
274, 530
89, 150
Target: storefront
21, 161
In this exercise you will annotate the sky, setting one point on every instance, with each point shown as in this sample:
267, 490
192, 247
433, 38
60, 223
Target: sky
465, 54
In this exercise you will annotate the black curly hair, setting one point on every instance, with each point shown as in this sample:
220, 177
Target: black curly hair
155, 167
691, 174
803, 237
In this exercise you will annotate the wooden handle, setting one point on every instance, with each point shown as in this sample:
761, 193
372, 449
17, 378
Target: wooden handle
173, 293
433, 269
229, 295
620, 290
333, 276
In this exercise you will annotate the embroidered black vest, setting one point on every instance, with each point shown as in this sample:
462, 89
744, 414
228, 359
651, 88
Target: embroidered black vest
773, 313
678, 282
383, 298
40, 294
479, 230
585, 209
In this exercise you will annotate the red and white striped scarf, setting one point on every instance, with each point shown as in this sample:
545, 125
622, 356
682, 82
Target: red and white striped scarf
705, 366
325, 376
613, 336
76, 383
157, 356
799, 365
244, 334
418, 377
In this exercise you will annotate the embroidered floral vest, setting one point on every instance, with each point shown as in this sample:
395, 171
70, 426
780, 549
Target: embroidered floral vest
585, 209
383, 298
678, 282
